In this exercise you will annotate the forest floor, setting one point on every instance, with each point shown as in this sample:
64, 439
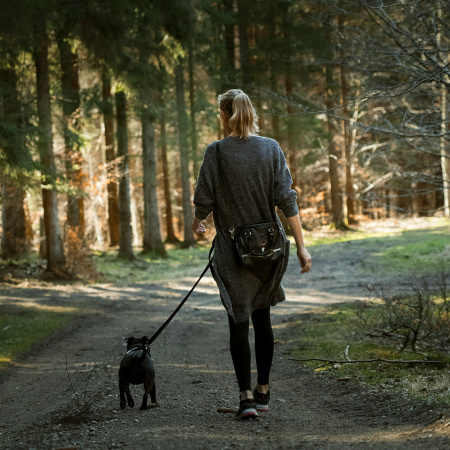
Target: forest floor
194, 374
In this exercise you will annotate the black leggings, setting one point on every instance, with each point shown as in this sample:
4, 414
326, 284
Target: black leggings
240, 348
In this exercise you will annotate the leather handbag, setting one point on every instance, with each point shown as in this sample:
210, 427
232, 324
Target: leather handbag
255, 244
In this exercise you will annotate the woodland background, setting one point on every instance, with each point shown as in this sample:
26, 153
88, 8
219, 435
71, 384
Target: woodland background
106, 108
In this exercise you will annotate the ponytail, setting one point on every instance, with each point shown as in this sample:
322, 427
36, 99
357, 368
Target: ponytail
241, 114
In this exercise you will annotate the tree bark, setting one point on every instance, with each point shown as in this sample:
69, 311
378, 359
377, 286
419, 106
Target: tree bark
184, 154
194, 140
125, 230
165, 167
243, 16
108, 120
152, 228
14, 236
228, 71
347, 138
55, 252
292, 147
73, 158
335, 153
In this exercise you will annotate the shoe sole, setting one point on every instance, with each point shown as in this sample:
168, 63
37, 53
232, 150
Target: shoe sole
262, 408
248, 414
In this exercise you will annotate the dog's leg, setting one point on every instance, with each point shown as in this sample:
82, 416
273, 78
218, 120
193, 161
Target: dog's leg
123, 402
153, 394
129, 397
145, 397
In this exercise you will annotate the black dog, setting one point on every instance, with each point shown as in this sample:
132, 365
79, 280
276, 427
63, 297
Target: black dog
137, 368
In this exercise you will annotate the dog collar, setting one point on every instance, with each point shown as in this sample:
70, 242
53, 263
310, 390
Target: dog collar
135, 348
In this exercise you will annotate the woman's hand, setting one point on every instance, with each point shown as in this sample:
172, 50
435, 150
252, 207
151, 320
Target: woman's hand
198, 226
304, 258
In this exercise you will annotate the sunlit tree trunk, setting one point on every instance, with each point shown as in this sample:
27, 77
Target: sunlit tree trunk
443, 145
125, 230
73, 159
108, 120
55, 253
184, 154
152, 228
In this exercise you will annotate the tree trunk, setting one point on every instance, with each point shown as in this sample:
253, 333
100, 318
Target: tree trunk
194, 140
292, 147
335, 152
14, 236
443, 146
243, 17
165, 167
73, 159
184, 154
444, 153
108, 120
55, 252
347, 140
274, 82
228, 71
125, 230
152, 229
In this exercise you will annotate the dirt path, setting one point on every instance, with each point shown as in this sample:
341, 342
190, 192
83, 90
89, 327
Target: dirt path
194, 375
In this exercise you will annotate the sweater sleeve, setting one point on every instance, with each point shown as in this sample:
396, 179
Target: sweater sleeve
285, 197
205, 195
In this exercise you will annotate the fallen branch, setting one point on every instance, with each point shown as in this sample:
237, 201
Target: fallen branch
396, 361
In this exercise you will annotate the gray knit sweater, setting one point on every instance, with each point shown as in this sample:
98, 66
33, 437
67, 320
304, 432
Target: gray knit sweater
257, 179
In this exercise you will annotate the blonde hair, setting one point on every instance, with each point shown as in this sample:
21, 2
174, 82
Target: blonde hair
241, 114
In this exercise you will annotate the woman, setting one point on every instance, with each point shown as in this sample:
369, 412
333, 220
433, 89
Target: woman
253, 179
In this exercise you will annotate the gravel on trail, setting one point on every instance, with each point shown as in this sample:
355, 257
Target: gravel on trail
194, 374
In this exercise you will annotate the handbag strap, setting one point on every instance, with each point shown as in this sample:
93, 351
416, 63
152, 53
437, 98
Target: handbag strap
231, 229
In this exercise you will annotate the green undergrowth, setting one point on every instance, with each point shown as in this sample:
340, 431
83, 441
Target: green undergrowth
150, 267
22, 327
385, 254
328, 332
417, 251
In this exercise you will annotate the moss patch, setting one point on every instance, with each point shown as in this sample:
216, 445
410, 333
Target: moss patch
22, 327
179, 263
327, 333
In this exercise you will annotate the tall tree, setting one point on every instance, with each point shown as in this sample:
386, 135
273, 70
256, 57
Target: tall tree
170, 232
14, 238
184, 154
152, 228
55, 253
71, 112
335, 150
125, 230
111, 163
348, 129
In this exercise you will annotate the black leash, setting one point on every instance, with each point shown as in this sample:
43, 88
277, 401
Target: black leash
164, 325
